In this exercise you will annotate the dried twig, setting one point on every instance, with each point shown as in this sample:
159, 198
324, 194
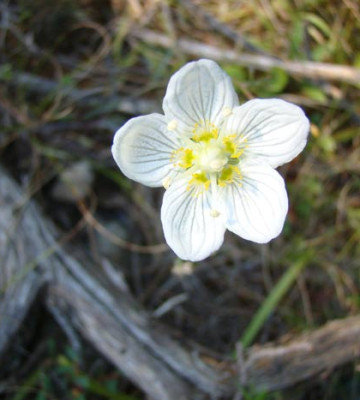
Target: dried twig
275, 367
308, 69
84, 300
118, 241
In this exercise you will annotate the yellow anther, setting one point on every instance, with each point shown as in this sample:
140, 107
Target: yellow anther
228, 174
183, 158
204, 131
166, 182
214, 213
172, 125
199, 181
226, 111
187, 159
231, 146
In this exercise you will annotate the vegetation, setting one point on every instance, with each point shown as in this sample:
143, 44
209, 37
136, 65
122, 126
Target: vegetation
71, 72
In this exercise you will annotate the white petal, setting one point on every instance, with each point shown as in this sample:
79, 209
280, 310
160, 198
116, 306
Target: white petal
257, 208
274, 129
142, 149
200, 90
190, 230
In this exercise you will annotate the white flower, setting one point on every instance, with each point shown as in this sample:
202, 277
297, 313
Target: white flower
215, 158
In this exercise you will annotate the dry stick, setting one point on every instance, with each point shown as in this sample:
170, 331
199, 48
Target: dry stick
276, 367
308, 69
94, 97
119, 346
118, 241
82, 299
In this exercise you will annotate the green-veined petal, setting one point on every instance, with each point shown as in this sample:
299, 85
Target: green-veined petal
190, 230
273, 129
256, 208
142, 149
199, 91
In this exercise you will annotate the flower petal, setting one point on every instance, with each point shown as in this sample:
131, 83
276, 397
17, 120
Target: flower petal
142, 149
274, 129
257, 207
190, 230
199, 91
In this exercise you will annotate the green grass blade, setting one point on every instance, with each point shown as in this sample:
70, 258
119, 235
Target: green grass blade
271, 301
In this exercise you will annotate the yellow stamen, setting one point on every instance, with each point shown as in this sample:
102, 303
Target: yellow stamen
183, 158
200, 181
208, 160
204, 131
233, 148
228, 175
166, 182
226, 111
214, 213
172, 125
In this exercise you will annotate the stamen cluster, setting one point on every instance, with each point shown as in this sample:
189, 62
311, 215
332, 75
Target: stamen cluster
209, 156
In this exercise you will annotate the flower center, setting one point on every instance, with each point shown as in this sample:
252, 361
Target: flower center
210, 158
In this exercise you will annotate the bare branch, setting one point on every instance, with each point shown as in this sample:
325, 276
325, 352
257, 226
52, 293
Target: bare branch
84, 301
275, 367
307, 69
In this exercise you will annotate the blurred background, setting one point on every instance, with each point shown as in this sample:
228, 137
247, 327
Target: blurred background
72, 72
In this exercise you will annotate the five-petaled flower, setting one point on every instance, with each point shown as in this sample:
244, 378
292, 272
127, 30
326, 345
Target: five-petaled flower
216, 160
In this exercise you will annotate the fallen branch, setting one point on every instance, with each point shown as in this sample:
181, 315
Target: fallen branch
85, 301
276, 367
307, 69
